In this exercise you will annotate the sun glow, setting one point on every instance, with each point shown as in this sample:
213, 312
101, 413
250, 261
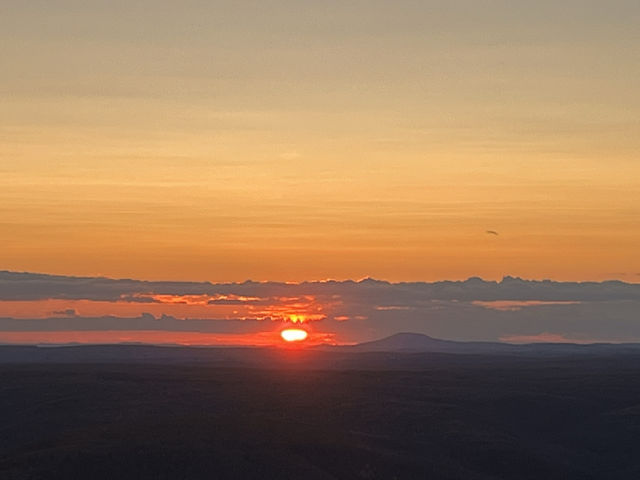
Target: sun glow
297, 318
293, 335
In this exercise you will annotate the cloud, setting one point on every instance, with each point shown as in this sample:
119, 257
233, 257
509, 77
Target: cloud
144, 322
29, 286
473, 309
69, 312
510, 305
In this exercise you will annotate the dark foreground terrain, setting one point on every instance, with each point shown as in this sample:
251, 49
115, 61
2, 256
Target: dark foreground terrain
446, 417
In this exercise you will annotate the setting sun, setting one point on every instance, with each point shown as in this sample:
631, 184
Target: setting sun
293, 335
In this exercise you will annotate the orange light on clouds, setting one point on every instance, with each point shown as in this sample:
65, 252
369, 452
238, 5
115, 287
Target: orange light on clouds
294, 335
261, 339
193, 299
297, 318
180, 306
303, 309
270, 317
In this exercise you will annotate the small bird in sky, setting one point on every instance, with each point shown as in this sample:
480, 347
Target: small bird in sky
491, 232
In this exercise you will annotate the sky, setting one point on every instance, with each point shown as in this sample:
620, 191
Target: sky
302, 140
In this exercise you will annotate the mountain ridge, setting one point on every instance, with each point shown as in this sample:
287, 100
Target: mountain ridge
409, 342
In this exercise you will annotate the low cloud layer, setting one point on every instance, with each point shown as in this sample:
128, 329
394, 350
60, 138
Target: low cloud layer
30, 286
352, 310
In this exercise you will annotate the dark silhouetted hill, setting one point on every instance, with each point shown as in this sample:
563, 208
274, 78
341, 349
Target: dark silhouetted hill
419, 343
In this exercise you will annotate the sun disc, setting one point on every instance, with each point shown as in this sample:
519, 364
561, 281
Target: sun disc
293, 335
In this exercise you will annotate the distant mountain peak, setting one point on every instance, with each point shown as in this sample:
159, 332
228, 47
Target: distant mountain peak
411, 336
403, 341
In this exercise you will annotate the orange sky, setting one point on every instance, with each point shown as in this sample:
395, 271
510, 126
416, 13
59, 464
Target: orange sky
194, 142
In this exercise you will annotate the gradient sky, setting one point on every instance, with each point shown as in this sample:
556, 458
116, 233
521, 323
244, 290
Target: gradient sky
292, 140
